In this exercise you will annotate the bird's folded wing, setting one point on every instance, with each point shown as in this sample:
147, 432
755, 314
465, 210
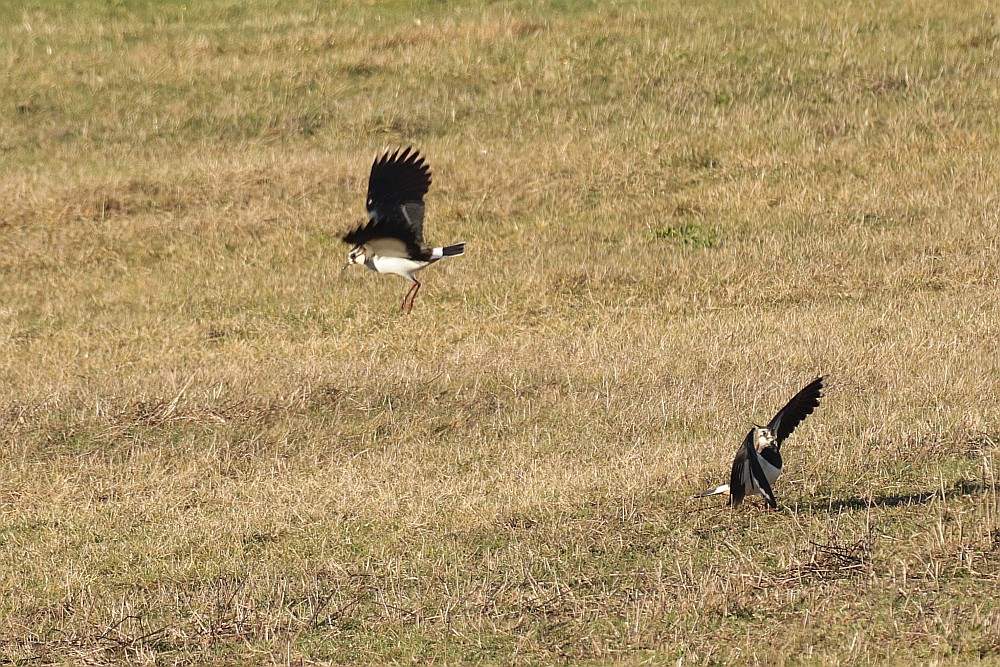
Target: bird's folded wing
758, 479
737, 479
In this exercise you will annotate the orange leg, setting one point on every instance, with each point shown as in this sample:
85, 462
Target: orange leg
416, 288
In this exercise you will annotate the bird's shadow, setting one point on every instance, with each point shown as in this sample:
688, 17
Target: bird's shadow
960, 488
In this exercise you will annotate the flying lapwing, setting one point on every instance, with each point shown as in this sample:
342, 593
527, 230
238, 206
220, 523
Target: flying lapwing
392, 241
758, 461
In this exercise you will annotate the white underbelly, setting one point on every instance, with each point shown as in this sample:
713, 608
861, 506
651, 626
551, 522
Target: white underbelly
400, 266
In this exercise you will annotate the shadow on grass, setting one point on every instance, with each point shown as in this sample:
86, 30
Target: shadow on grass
960, 488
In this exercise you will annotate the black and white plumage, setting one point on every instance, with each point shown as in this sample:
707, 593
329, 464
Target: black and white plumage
758, 461
392, 241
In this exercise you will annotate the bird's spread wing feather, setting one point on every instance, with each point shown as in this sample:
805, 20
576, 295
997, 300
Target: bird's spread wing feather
797, 409
396, 189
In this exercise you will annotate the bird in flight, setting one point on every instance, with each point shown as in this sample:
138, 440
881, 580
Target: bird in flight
758, 460
392, 241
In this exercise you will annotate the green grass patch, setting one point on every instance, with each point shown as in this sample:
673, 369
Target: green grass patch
689, 235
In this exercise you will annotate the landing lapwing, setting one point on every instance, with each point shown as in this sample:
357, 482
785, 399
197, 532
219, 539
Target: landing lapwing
392, 241
758, 461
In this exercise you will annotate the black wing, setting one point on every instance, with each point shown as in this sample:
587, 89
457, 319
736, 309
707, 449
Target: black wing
759, 479
396, 189
747, 463
797, 409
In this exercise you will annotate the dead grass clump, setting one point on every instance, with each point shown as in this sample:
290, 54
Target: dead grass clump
131, 198
159, 413
833, 560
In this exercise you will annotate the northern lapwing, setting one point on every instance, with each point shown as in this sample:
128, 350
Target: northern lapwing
758, 461
392, 241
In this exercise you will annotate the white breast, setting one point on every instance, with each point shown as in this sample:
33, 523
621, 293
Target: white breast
770, 474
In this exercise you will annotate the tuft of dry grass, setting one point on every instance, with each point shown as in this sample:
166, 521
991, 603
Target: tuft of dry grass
221, 449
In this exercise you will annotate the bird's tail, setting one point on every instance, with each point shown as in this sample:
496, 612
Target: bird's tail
448, 251
714, 492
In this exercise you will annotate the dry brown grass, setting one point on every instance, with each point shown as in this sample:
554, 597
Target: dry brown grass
220, 449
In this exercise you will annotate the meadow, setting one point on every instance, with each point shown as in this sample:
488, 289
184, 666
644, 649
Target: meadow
220, 448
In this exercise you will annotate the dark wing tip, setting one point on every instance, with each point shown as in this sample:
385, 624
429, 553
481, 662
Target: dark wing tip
813, 391
404, 156
397, 177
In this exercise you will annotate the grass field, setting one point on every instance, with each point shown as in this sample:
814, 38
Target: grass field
220, 448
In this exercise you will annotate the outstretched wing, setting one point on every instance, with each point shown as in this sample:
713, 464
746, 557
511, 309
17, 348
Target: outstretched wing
746, 468
396, 189
797, 409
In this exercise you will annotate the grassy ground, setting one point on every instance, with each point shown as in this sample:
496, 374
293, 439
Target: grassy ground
219, 448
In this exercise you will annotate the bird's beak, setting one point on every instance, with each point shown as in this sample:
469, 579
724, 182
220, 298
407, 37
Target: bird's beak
346, 264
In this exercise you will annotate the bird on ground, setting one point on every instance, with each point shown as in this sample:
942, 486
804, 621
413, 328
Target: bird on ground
758, 461
392, 240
